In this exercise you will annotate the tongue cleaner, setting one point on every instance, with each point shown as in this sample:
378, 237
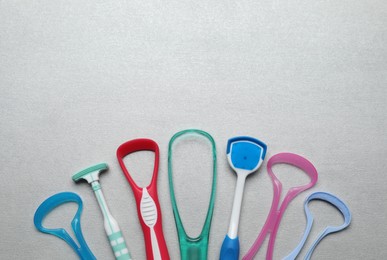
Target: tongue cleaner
245, 155
81, 248
113, 232
277, 210
334, 201
192, 248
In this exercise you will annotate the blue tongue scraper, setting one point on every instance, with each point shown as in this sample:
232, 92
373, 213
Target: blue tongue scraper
245, 155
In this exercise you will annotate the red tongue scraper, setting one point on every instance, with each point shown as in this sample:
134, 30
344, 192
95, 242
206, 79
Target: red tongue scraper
148, 207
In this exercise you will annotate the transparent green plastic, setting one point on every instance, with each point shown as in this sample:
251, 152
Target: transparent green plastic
193, 248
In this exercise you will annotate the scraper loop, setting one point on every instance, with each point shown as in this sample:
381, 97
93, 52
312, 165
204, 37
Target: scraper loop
334, 201
276, 212
192, 248
50, 204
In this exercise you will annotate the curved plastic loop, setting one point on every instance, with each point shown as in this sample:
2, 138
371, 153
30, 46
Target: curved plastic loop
50, 204
192, 248
148, 206
275, 215
137, 145
334, 201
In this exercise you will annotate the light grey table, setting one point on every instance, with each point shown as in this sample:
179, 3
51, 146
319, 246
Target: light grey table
78, 78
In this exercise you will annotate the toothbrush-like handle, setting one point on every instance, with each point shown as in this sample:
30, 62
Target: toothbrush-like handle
230, 246
230, 249
236, 207
113, 231
117, 241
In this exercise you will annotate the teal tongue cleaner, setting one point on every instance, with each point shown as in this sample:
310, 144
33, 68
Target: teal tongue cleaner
193, 248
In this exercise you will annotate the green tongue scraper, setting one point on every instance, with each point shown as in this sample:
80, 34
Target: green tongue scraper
117, 242
193, 248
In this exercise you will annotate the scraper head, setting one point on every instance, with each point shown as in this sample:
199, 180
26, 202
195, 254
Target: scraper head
245, 154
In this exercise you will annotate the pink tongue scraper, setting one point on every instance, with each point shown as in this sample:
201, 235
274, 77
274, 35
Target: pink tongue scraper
277, 210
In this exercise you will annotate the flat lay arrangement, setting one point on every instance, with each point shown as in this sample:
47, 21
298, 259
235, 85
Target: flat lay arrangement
244, 154
193, 129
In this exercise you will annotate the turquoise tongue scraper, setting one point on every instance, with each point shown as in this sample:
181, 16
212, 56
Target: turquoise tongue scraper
245, 155
117, 242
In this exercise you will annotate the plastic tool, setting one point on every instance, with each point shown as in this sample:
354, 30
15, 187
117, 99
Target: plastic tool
276, 212
113, 231
335, 201
51, 203
245, 155
148, 206
192, 248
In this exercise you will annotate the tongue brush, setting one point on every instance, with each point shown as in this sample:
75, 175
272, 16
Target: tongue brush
245, 155
113, 232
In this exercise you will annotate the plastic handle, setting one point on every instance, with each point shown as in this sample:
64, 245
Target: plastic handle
230, 249
194, 248
156, 247
117, 242
50, 204
245, 155
230, 245
112, 229
334, 201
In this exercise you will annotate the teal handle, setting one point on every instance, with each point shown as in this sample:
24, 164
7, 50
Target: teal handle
230, 249
193, 249
113, 231
119, 247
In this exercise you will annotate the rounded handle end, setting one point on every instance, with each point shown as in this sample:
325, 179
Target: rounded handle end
230, 249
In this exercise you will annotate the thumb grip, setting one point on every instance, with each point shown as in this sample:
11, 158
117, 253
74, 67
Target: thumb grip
119, 247
150, 214
230, 249
156, 247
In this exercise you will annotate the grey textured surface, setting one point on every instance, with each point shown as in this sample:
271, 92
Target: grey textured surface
78, 78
